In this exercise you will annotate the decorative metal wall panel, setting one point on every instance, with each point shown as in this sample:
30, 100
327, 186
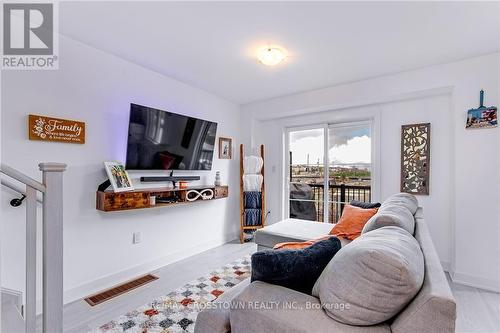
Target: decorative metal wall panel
415, 158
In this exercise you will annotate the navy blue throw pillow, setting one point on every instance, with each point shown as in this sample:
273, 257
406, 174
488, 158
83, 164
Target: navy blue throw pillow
365, 205
294, 269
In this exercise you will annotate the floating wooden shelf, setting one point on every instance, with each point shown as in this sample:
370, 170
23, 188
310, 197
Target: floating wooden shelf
109, 201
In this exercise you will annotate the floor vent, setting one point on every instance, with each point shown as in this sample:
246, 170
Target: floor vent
108, 294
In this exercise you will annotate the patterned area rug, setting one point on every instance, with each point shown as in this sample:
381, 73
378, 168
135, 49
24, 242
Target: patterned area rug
176, 312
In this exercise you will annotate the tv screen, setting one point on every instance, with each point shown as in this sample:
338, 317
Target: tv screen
161, 140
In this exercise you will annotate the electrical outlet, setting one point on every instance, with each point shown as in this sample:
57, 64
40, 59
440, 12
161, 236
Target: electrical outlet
137, 237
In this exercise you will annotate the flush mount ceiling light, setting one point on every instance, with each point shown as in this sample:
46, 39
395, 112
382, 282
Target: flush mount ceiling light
271, 55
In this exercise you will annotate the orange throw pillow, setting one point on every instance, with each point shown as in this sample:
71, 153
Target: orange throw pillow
352, 222
298, 245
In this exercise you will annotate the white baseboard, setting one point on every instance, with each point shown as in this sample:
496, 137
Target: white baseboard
475, 281
105, 282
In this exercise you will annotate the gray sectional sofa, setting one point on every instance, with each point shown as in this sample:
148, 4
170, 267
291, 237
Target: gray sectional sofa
261, 307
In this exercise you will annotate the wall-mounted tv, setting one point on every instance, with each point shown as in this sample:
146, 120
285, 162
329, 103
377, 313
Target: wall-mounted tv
161, 140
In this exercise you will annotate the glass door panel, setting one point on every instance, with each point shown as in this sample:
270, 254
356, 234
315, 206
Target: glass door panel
307, 174
350, 165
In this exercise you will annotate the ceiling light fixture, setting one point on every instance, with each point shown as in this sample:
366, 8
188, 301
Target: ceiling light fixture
271, 55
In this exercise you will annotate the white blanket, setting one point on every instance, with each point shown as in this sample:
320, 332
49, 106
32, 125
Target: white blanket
252, 165
252, 183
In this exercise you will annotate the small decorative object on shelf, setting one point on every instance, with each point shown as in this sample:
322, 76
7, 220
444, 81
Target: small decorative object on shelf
415, 158
217, 179
482, 117
225, 148
193, 195
152, 200
120, 181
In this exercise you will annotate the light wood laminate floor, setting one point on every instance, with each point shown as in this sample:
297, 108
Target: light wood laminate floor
79, 317
478, 310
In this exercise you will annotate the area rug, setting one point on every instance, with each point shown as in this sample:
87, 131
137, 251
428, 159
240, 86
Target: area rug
176, 312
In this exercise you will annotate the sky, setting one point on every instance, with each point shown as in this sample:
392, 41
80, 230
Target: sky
347, 145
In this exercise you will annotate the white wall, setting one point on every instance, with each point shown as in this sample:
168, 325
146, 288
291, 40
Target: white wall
437, 205
462, 210
97, 88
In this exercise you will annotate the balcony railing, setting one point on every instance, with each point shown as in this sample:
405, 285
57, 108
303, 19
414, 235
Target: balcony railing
338, 196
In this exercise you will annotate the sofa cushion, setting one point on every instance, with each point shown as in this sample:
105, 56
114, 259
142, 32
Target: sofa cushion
403, 199
290, 230
352, 222
374, 277
294, 269
391, 215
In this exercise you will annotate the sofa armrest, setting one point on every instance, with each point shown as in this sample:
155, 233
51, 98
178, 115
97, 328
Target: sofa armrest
212, 321
215, 318
264, 307
434, 307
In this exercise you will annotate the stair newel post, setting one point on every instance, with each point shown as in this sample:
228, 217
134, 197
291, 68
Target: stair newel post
31, 231
53, 246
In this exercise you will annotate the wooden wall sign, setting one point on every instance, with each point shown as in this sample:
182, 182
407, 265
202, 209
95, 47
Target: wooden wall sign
44, 128
415, 158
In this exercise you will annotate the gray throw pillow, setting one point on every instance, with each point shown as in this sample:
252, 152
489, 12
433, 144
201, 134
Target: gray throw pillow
391, 215
404, 199
373, 278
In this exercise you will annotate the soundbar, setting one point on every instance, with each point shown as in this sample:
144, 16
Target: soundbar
168, 178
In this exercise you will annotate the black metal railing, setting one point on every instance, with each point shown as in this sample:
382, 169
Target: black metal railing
338, 196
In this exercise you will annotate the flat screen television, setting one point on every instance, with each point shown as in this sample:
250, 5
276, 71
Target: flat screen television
161, 140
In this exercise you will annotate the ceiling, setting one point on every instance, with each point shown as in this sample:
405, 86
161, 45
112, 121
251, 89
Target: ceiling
211, 45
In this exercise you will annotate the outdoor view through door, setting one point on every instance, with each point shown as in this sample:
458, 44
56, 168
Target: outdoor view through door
317, 195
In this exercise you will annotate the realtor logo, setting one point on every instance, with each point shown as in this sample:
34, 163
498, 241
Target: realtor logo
29, 36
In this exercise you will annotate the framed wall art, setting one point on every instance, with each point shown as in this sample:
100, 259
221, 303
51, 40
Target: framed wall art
483, 116
118, 177
44, 128
415, 158
225, 148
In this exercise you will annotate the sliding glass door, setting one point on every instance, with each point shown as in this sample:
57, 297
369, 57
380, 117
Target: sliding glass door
319, 193
306, 174
349, 161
